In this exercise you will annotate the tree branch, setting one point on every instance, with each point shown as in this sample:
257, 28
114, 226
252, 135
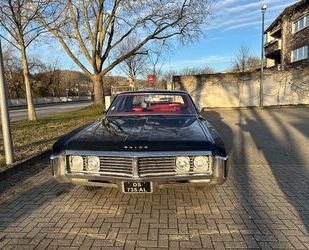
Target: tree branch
88, 26
4, 38
65, 46
78, 34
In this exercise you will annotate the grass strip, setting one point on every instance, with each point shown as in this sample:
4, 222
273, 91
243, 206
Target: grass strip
32, 137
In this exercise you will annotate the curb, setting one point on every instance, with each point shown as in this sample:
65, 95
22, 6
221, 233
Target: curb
10, 169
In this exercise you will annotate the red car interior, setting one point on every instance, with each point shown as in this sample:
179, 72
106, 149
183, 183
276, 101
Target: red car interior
170, 107
152, 104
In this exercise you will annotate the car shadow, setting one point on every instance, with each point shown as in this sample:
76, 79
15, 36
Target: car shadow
27, 192
287, 165
24, 171
224, 130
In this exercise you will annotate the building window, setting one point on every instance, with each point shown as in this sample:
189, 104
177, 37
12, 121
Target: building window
300, 54
301, 24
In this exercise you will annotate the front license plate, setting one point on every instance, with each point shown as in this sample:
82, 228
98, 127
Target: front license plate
137, 187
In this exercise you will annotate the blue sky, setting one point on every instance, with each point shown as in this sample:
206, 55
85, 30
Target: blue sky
234, 23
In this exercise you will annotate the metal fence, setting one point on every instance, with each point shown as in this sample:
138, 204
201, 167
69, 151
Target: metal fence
47, 100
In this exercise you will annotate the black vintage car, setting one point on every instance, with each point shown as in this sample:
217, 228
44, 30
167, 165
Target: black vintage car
146, 139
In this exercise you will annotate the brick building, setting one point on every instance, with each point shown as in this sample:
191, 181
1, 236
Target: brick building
287, 39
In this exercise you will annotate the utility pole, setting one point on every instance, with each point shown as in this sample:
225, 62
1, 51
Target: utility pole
5, 116
263, 9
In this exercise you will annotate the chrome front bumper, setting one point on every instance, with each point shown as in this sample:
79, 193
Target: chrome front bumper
218, 176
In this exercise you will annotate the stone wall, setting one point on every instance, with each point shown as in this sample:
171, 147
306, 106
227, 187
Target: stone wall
243, 89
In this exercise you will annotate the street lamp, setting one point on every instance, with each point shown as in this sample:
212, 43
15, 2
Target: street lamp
5, 116
263, 9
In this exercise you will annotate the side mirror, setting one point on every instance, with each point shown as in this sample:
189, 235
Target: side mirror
104, 111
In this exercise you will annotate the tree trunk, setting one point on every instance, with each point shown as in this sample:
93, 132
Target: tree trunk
30, 106
98, 90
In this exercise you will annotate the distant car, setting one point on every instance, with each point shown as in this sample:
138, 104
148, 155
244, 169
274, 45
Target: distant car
144, 140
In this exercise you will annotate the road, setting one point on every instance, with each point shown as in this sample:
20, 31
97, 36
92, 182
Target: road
49, 109
263, 205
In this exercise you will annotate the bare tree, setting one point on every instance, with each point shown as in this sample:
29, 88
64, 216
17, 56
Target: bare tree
245, 61
157, 55
98, 27
196, 71
53, 78
254, 62
19, 19
13, 72
134, 65
167, 78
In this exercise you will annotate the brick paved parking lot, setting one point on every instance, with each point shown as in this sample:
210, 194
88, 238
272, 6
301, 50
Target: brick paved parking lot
264, 203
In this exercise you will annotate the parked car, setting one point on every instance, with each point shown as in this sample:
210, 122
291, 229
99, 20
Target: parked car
145, 140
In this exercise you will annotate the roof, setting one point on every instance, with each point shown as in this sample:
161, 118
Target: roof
153, 91
287, 11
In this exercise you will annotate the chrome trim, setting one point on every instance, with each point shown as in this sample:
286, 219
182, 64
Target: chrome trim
151, 166
222, 158
160, 178
175, 174
160, 174
137, 154
58, 165
152, 174
59, 169
102, 173
135, 167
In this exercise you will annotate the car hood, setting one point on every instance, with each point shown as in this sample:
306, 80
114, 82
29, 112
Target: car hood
152, 133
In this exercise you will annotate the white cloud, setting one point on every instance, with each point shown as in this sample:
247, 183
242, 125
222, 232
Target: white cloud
246, 24
233, 14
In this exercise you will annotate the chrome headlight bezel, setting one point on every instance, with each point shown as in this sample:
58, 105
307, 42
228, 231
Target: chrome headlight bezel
93, 163
202, 164
182, 164
76, 163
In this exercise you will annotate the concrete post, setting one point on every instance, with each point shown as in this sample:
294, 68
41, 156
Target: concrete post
5, 117
107, 101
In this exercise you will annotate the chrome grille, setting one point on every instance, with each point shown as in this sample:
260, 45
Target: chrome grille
152, 166
146, 166
111, 165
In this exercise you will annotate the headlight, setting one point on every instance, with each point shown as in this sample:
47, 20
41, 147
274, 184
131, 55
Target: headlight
93, 164
182, 164
76, 163
202, 164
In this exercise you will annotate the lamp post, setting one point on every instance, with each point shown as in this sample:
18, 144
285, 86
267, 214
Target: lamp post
5, 116
263, 9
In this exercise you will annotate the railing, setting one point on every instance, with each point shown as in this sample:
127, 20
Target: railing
273, 46
47, 100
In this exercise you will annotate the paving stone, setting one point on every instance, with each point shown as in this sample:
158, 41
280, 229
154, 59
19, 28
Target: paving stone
264, 203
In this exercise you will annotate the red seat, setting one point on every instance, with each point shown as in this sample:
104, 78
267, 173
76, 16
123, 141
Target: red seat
138, 109
166, 107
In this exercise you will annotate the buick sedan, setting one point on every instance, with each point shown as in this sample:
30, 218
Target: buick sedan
146, 140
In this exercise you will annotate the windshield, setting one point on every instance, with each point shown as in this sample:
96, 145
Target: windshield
152, 104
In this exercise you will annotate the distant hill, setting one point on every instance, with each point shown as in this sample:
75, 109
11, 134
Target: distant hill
76, 82
76, 76
62, 82
64, 75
